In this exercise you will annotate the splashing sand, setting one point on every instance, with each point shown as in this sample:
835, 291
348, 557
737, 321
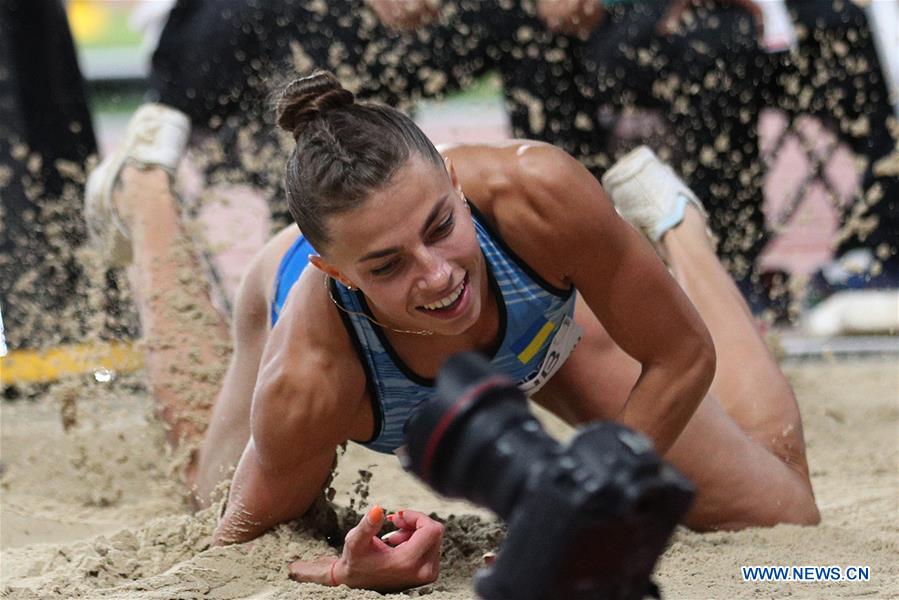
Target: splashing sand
92, 511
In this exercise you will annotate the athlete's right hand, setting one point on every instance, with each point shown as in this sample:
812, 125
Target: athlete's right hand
405, 14
407, 558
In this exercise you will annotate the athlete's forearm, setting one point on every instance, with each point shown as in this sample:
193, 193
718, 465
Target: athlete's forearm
261, 498
238, 525
252, 510
667, 394
251, 503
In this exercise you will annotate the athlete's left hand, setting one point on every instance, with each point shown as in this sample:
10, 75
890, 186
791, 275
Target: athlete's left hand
405, 558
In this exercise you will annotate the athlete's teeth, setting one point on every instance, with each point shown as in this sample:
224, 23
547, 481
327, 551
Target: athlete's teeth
446, 301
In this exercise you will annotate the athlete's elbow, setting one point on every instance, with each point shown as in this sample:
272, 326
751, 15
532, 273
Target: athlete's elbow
230, 531
250, 511
694, 360
703, 361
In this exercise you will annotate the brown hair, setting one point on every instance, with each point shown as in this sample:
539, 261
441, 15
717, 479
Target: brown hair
345, 150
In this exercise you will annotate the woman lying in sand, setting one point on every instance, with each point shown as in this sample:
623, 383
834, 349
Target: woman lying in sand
418, 255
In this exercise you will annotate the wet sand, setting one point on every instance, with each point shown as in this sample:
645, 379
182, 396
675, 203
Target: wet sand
92, 511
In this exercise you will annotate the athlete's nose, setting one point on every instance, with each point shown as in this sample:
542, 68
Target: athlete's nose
437, 272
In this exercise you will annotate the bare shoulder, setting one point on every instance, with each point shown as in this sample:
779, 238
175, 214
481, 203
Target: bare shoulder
311, 393
502, 154
490, 170
537, 197
515, 174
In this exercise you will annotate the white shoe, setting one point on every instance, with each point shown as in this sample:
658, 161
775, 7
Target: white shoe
156, 137
648, 193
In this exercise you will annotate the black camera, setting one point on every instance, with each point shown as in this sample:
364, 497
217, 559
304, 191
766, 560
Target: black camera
586, 520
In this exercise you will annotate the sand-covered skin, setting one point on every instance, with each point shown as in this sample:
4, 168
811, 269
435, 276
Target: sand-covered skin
93, 512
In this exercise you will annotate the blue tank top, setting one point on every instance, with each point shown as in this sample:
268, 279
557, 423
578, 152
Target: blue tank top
537, 333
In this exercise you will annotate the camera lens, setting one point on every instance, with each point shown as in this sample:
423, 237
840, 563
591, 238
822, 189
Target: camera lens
477, 439
586, 520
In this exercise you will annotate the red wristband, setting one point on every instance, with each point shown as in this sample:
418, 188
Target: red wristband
333, 579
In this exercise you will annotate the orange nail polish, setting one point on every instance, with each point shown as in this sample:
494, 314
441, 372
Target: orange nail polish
400, 513
375, 514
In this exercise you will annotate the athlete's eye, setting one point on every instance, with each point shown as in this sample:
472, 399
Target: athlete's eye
445, 227
385, 269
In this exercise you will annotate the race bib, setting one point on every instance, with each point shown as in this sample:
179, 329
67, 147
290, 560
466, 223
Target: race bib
560, 349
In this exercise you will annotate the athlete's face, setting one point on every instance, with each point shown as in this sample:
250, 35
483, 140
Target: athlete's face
412, 250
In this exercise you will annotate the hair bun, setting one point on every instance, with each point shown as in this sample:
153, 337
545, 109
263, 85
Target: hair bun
308, 98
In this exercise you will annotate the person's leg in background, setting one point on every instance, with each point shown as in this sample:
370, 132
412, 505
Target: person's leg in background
542, 82
199, 81
221, 62
46, 137
836, 75
704, 77
838, 62
219, 65
548, 94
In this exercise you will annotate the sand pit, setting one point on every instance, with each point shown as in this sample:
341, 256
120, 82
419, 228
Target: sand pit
92, 511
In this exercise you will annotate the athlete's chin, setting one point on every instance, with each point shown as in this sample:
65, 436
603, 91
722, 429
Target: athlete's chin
458, 325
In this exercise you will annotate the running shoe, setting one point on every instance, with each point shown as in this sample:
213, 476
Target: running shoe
156, 137
648, 193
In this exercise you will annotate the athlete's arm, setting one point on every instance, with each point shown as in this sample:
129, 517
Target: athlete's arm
309, 398
572, 232
263, 495
295, 430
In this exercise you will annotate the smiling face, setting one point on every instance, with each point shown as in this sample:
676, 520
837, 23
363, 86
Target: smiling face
412, 250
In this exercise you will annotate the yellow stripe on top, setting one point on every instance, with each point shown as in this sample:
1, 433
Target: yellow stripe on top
536, 343
37, 366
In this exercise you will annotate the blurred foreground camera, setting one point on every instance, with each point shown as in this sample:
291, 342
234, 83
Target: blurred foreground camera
586, 520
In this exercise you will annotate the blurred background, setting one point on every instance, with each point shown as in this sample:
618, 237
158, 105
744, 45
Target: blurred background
50, 301
807, 166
